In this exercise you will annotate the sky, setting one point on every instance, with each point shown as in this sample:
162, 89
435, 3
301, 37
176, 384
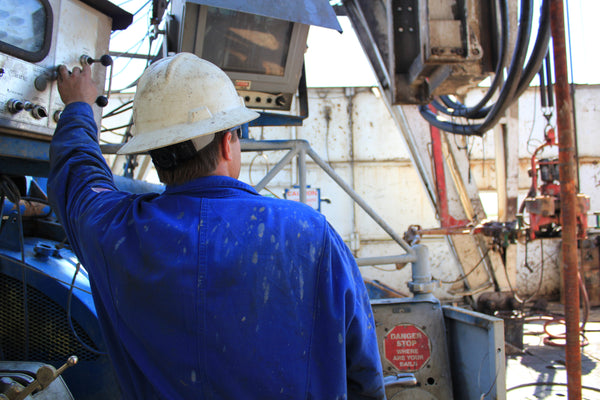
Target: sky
337, 60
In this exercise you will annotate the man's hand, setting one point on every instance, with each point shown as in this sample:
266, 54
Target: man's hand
77, 85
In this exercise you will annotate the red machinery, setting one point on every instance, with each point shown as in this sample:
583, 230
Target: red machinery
544, 208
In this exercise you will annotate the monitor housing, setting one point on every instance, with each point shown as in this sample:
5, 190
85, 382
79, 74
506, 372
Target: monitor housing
263, 56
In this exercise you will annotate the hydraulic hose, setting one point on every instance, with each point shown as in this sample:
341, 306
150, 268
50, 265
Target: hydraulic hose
518, 79
474, 112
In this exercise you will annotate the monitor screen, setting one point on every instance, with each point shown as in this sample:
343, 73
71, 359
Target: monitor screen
263, 56
248, 43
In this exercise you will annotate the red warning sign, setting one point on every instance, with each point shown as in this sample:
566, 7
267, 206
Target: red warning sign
407, 347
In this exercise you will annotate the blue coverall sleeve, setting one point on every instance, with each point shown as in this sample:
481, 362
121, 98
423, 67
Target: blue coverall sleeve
78, 171
363, 363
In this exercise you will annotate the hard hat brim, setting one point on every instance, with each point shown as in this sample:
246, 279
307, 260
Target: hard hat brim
180, 133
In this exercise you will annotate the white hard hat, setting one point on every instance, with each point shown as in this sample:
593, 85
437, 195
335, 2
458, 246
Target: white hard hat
181, 98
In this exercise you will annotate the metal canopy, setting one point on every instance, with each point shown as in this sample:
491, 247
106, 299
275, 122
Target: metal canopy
309, 12
121, 19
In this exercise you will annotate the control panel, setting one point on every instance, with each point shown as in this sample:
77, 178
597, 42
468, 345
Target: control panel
36, 36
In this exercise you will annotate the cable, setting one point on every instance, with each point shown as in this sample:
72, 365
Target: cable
33, 269
550, 384
116, 127
10, 191
119, 110
462, 278
69, 297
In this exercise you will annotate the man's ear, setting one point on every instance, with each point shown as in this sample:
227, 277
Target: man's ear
226, 150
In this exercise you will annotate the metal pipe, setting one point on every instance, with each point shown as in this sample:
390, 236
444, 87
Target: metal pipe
422, 283
384, 260
270, 145
302, 173
333, 175
276, 169
568, 200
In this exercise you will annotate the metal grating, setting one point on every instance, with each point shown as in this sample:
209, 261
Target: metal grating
49, 338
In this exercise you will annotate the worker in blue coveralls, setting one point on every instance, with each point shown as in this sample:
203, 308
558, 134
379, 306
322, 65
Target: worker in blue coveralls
208, 290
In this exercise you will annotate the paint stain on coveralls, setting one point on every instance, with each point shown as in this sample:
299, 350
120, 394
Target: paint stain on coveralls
119, 243
266, 288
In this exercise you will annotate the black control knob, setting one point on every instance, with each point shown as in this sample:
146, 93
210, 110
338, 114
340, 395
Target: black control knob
105, 60
101, 101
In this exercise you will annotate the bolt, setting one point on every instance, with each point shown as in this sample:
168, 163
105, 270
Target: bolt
400, 29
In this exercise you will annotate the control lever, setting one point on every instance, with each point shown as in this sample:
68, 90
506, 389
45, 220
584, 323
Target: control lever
44, 376
402, 380
41, 82
106, 61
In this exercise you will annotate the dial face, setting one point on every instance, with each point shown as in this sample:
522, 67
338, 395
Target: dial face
23, 24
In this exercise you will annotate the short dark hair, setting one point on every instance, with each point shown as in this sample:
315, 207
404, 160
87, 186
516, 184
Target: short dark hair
203, 163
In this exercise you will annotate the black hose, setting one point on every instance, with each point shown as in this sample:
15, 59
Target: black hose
518, 78
507, 90
458, 109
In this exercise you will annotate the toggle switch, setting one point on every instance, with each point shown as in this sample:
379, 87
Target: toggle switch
14, 106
